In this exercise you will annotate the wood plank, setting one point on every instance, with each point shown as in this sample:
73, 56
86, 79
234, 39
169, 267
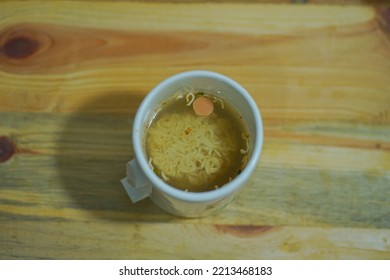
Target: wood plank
310, 2
125, 240
264, 53
67, 164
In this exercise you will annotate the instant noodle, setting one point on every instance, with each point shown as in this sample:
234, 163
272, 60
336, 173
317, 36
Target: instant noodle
197, 142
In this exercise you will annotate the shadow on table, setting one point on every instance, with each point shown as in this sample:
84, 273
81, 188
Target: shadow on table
93, 148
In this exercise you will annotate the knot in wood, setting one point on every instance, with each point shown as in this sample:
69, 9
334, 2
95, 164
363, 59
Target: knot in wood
20, 47
7, 149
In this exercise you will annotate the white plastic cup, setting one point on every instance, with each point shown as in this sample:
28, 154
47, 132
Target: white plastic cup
141, 182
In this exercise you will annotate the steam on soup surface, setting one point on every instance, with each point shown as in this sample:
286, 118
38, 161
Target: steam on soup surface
197, 152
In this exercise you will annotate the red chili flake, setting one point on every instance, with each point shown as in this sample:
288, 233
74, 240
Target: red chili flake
187, 131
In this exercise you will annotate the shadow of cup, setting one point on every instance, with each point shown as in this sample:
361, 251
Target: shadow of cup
93, 148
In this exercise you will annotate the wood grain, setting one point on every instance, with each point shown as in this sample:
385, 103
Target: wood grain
299, 2
72, 76
124, 240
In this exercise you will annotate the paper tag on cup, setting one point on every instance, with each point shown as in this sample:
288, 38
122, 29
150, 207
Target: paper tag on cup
135, 183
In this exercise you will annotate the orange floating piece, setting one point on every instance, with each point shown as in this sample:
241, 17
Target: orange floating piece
203, 106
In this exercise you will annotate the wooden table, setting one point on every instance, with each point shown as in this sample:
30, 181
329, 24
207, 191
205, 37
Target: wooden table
72, 75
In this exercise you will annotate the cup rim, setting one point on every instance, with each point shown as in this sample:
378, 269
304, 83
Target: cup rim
206, 196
